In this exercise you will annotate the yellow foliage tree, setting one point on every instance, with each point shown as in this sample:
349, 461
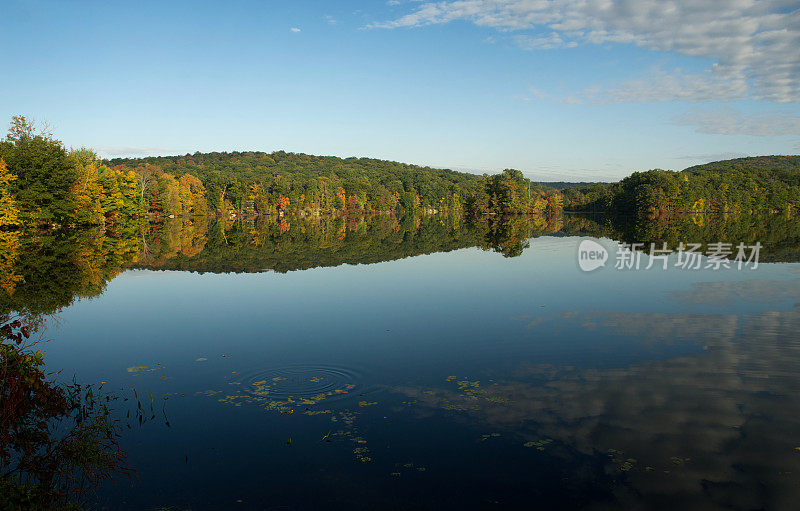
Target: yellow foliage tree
87, 191
172, 195
193, 195
9, 255
252, 200
8, 206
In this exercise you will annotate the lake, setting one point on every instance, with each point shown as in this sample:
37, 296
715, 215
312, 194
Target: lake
428, 363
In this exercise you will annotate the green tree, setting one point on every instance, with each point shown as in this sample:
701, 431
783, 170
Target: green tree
45, 174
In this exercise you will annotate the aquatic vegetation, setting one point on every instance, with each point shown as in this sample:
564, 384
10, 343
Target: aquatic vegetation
468, 395
144, 369
408, 467
540, 445
500, 400
262, 393
361, 450
627, 464
468, 386
345, 416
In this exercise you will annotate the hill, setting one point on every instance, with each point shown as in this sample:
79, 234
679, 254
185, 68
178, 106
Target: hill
264, 183
773, 163
561, 185
233, 175
755, 184
44, 184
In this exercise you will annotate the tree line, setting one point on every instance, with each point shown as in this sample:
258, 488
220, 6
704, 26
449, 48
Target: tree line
257, 183
44, 183
765, 184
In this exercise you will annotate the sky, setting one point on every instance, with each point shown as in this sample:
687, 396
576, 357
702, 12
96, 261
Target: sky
579, 90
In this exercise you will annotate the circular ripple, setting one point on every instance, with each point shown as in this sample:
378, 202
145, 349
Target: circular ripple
304, 381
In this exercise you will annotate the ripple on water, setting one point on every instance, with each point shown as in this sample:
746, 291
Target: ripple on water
304, 381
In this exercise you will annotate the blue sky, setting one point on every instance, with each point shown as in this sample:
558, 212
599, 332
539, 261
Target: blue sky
561, 89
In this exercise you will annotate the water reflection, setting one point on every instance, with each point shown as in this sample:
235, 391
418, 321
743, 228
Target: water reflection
779, 234
58, 441
705, 414
41, 272
718, 429
754, 291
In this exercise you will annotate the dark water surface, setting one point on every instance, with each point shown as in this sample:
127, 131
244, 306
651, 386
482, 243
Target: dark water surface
437, 373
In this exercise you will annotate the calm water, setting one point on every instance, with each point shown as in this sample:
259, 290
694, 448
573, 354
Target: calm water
391, 364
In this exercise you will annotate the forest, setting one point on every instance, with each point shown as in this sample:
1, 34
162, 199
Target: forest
764, 184
42, 183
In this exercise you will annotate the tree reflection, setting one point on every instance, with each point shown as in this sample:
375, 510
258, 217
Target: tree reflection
42, 272
778, 234
57, 441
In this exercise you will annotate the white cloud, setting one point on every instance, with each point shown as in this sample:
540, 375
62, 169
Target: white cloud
330, 19
536, 93
729, 121
675, 85
294, 29
548, 42
752, 42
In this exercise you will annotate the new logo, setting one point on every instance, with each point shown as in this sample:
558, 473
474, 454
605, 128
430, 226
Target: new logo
591, 255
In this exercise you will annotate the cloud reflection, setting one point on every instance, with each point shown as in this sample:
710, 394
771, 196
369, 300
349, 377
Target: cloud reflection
706, 430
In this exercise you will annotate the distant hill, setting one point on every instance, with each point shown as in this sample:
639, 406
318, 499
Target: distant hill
752, 162
754, 184
250, 166
305, 178
560, 185
260, 183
